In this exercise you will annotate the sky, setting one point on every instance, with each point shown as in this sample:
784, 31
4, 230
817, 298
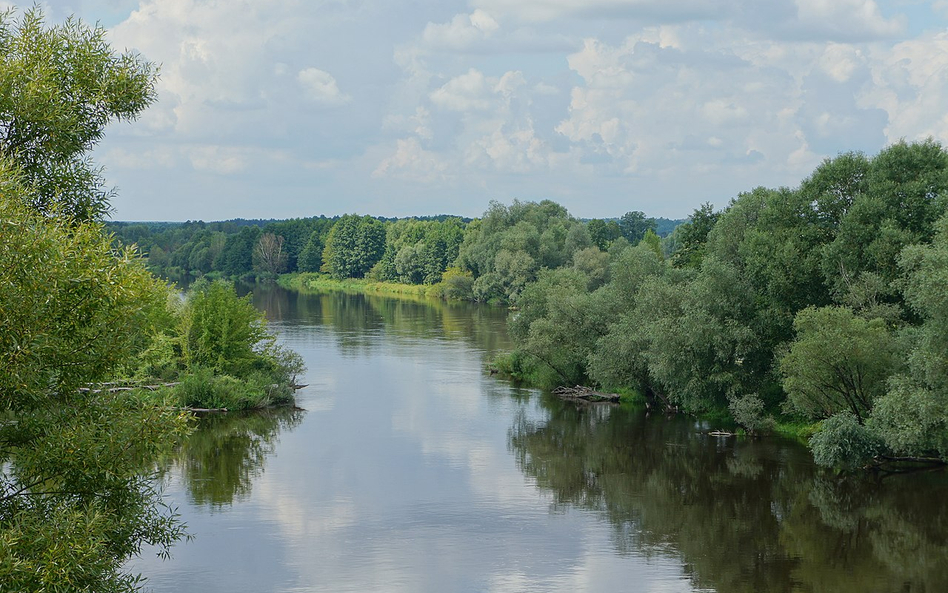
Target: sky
293, 108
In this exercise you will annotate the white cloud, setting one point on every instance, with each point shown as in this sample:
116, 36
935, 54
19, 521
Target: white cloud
840, 62
910, 82
467, 92
491, 98
548, 10
218, 159
651, 110
463, 31
845, 19
411, 162
321, 87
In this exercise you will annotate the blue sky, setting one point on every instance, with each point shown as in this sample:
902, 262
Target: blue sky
276, 109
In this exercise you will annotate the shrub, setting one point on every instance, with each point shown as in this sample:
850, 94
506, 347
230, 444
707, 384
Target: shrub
843, 443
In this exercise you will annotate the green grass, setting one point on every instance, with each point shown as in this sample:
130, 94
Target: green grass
308, 281
800, 430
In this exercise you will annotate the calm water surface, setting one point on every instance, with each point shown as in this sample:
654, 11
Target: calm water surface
411, 469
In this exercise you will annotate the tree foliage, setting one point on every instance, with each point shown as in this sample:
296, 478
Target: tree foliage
822, 302
60, 86
76, 500
354, 245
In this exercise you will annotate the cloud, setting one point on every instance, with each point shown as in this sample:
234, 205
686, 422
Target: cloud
668, 100
321, 87
467, 92
462, 32
411, 162
549, 10
910, 83
852, 20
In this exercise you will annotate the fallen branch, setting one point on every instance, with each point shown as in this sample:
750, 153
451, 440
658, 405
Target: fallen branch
127, 388
580, 393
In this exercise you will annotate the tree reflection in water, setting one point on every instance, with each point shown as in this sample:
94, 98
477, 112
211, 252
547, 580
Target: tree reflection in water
741, 514
220, 460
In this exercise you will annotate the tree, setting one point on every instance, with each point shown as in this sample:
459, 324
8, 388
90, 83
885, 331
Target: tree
76, 496
510, 244
268, 255
838, 363
912, 417
221, 330
692, 236
59, 88
354, 244
237, 255
603, 232
76, 500
311, 258
634, 225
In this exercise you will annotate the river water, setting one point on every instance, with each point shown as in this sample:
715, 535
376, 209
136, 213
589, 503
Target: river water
410, 468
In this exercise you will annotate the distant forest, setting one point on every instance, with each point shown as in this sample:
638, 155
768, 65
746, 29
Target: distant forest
415, 250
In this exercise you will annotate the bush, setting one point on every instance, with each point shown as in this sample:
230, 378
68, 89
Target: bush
748, 411
843, 443
202, 388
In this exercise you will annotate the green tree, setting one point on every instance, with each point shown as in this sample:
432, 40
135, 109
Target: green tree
902, 195
76, 501
221, 330
603, 232
60, 86
353, 246
634, 225
76, 496
692, 236
838, 362
237, 256
507, 247
311, 258
912, 417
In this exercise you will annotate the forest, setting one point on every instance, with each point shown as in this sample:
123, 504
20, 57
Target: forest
817, 310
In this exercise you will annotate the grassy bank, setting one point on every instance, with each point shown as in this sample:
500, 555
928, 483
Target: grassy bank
307, 281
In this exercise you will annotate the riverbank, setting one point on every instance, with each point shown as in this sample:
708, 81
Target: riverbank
312, 282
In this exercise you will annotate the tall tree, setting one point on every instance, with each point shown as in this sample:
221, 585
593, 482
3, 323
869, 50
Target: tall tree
634, 225
59, 88
354, 244
268, 254
76, 501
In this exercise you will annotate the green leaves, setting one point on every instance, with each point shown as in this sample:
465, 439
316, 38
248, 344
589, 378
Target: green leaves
838, 362
59, 88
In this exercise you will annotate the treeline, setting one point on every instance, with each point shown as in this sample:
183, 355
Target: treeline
410, 250
825, 303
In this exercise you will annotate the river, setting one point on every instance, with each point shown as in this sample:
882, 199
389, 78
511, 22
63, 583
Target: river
410, 468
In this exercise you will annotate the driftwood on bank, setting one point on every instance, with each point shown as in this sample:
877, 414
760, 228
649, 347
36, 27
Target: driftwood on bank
585, 394
103, 388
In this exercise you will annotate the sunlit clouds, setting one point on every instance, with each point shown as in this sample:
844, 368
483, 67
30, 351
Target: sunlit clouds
279, 109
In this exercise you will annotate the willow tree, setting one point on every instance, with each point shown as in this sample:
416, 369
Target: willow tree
76, 501
59, 88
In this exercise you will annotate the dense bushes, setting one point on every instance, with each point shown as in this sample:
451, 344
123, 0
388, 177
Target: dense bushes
217, 348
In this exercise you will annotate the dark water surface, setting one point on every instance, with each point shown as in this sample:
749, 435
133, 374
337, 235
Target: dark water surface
411, 469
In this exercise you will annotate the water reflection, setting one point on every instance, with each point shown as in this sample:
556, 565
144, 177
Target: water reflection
742, 515
358, 319
227, 452
414, 470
